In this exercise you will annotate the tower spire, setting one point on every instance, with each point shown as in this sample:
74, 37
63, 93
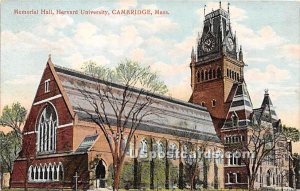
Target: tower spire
204, 11
220, 3
228, 5
241, 54
193, 53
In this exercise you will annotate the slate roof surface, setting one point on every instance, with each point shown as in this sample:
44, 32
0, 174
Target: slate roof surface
178, 118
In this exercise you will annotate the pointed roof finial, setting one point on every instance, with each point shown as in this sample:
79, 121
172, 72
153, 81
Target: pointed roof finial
228, 7
220, 4
204, 10
266, 91
49, 58
193, 52
241, 48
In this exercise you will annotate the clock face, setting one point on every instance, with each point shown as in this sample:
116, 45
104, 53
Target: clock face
208, 44
230, 44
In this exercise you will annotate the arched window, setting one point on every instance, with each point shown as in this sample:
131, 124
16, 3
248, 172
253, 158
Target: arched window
227, 72
36, 173
206, 75
47, 130
232, 74
203, 104
143, 149
238, 76
202, 75
219, 73
50, 172
60, 172
54, 172
214, 74
45, 171
160, 149
210, 74
31, 173
40, 172
234, 119
198, 76
172, 151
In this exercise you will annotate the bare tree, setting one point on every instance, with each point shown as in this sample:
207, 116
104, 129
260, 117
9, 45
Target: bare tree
260, 145
118, 107
194, 153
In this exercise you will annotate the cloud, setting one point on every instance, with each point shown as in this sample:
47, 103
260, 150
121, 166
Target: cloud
125, 4
137, 54
22, 80
168, 70
264, 37
291, 51
271, 74
182, 90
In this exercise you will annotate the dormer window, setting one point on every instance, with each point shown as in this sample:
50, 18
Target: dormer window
203, 104
47, 86
234, 119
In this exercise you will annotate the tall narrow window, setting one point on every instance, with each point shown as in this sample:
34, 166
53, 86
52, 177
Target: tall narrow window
160, 149
210, 74
47, 130
213, 103
219, 73
143, 150
47, 86
202, 75
214, 74
172, 151
198, 76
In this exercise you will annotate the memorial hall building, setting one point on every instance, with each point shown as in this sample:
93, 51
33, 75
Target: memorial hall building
63, 147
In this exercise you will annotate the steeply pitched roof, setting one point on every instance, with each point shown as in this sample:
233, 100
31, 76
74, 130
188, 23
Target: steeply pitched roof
239, 114
268, 108
178, 117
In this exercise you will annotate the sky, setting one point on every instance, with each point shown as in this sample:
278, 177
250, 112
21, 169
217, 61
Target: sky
269, 33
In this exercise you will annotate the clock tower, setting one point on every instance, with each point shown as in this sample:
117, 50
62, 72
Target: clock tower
216, 66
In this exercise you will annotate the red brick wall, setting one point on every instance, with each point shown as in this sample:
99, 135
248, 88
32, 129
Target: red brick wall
64, 135
71, 164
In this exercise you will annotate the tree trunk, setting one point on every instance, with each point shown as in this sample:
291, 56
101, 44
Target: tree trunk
10, 179
151, 168
251, 183
205, 171
135, 173
180, 181
192, 184
167, 175
117, 175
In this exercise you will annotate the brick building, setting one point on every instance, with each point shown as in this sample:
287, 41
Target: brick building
60, 141
217, 80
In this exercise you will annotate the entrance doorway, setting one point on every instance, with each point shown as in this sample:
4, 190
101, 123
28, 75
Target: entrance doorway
100, 174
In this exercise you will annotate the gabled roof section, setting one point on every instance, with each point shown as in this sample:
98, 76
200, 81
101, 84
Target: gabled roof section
61, 89
268, 108
87, 143
240, 110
